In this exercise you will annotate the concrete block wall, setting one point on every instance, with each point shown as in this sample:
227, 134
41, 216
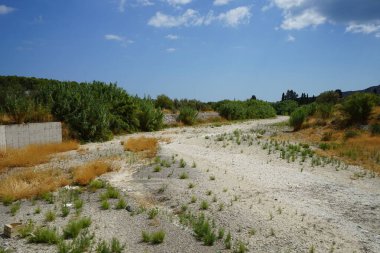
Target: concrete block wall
18, 136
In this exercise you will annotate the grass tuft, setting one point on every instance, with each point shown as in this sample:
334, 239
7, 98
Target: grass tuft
147, 146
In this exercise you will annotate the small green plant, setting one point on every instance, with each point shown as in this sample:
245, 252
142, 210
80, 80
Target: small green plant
187, 115
191, 185
105, 205
7, 200
157, 168
121, 204
80, 244
44, 235
312, 249
15, 207
27, 229
97, 184
212, 178
204, 205
208, 192
153, 213
153, 238
220, 233
74, 227
194, 165
324, 146
65, 210
193, 199
184, 175
114, 247
228, 241
375, 129
214, 199
78, 204
48, 197
241, 247
50, 216
252, 232
37, 210
182, 163
112, 193
221, 207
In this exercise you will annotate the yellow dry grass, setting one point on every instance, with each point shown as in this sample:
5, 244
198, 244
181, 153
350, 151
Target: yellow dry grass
33, 154
144, 145
26, 183
84, 174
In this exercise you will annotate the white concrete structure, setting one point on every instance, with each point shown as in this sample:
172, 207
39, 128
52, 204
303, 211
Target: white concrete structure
18, 136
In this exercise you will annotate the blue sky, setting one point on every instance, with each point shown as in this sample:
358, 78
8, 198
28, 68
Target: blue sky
204, 49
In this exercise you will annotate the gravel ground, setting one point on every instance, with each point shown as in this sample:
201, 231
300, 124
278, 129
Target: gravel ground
267, 203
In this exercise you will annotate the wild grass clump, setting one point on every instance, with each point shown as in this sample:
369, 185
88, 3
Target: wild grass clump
84, 174
44, 235
27, 229
187, 115
97, 184
15, 208
33, 154
80, 244
50, 216
184, 175
182, 163
113, 247
153, 238
74, 227
145, 145
203, 231
26, 183
153, 213
204, 205
121, 204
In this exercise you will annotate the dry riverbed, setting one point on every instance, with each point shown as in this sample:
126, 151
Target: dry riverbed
270, 197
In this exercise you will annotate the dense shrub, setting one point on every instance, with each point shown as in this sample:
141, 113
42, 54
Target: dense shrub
187, 115
375, 129
285, 107
358, 107
300, 114
250, 109
92, 111
328, 97
164, 102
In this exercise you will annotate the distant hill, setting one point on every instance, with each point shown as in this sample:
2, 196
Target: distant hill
372, 89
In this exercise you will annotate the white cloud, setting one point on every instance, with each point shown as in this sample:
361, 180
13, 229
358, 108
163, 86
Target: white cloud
113, 37
5, 9
172, 37
178, 2
221, 2
290, 38
171, 50
122, 5
307, 18
189, 18
145, 2
235, 17
364, 28
287, 4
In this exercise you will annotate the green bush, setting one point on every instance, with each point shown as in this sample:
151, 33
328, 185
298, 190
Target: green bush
375, 129
74, 227
44, 235
187, 115
250, 109
150, 118
285, 107
300, 114
358, 107
164, 102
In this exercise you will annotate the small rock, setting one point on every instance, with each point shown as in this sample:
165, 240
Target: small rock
129, 209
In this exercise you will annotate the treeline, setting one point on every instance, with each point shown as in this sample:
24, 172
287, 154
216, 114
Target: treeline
96, 111
92, 111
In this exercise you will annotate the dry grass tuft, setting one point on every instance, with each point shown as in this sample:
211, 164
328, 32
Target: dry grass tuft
26, 183
84, 174
33, 154
144, 145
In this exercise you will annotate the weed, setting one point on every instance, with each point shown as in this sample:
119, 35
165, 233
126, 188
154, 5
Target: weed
204, 205
220, 233
162, 189
15, 207
112, 193
157, 168
78, 204
105, 205
121, 204
182, 163
27, 229
80, 244
228, 241
48, 197
209, 192
152, 213
44, 235
212, 178
193, 199
214, 199
191, 185
50, 216
203, 231
184, 175
241, 247
74, 227
114, 247
65, 210
312, 249
37, 210
194, 165
154, 238
221, 207
97, 184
